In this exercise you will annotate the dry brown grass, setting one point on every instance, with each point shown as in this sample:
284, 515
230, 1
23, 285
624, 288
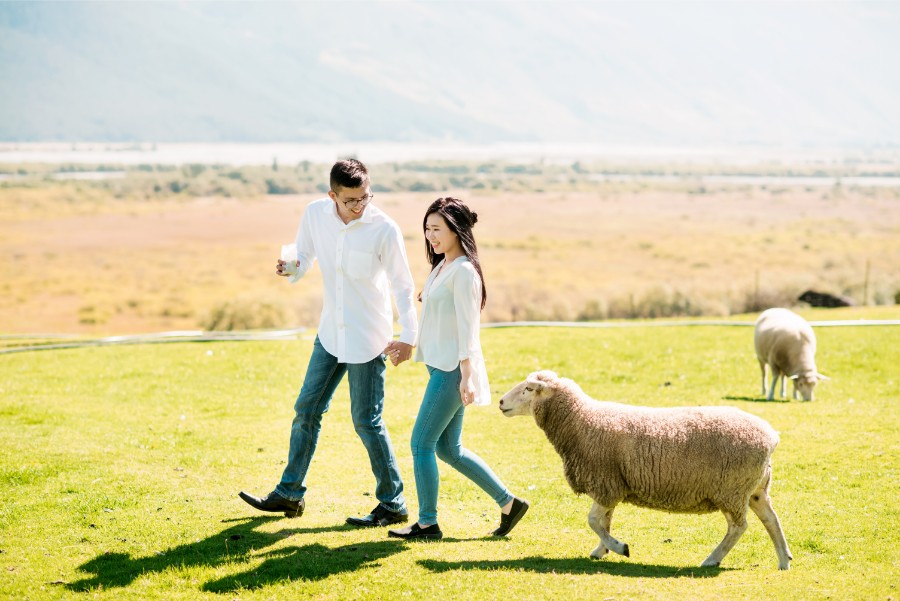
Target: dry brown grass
74, 260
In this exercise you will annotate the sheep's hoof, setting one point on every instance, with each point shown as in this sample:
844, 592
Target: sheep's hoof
625, 551
599, 552
709, 564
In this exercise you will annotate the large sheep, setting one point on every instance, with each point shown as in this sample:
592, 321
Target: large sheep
786, 343
686, 460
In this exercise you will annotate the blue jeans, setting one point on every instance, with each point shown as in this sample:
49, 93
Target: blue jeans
366, 403
438, 430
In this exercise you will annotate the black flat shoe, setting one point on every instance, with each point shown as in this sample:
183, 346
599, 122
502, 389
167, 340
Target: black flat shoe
416, 532
275, 502
380, 516
509, 520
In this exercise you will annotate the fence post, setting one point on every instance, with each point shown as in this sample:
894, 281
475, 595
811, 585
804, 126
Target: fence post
866, 284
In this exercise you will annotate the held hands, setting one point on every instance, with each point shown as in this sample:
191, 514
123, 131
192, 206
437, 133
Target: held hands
398, 352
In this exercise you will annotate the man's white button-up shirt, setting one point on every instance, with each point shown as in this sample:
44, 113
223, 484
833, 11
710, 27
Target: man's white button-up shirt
359, 260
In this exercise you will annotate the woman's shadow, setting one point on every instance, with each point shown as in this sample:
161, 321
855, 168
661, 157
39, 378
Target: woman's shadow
234, 545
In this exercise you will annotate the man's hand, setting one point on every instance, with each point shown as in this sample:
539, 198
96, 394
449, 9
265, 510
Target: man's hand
398, 352
284, 269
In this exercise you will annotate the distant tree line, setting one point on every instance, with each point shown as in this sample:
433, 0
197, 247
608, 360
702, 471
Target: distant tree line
305, 177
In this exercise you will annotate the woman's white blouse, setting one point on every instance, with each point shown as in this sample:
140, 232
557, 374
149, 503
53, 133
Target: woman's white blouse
449, 329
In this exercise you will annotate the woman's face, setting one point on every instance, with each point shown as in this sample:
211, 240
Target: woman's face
440, 236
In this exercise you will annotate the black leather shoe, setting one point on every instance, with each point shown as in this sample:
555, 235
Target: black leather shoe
380, 516
275, 502
432, 532
509, 520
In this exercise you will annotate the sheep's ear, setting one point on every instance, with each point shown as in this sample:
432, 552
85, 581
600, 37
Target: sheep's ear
533, 385
545, 375
794, 377
821, 377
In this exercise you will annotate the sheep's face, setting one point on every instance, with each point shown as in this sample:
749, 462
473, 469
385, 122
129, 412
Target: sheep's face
518, 401
806, 383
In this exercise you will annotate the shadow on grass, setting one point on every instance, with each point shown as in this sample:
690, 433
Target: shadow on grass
581, 565
235, 545
754, 399
309, 562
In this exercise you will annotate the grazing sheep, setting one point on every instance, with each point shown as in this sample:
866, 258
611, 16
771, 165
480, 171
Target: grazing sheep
786, 343
686, 460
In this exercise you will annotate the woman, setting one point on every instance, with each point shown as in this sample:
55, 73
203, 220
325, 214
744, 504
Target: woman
450, 346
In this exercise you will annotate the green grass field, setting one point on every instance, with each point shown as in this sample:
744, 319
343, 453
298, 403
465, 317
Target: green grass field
120, 469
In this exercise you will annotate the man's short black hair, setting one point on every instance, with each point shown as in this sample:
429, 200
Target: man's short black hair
349, 173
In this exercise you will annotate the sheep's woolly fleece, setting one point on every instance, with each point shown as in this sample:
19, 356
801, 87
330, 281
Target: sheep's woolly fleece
690, 459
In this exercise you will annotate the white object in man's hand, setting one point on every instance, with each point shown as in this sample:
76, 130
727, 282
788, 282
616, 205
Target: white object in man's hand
288, 263
286, 268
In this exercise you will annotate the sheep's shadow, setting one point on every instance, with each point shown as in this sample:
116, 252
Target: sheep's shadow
237, 544
581, 565
754, 399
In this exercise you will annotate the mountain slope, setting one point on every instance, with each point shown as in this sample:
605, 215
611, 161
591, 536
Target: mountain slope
618, 73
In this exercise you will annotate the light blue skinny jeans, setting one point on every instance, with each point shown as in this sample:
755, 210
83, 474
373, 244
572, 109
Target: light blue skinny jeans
438, 431
366, 404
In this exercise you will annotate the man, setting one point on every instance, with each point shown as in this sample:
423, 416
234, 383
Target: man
361, 253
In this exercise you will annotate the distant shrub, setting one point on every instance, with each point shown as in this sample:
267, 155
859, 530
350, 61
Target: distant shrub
422, 187
92, 315
593, 310
279, 187
247, 312
755, 301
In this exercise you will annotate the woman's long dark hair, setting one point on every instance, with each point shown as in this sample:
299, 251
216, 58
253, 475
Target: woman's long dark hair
459, 219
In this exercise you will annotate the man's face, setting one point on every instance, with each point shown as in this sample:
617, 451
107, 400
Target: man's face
350, 202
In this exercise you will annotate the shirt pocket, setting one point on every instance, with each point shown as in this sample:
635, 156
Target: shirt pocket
359, 264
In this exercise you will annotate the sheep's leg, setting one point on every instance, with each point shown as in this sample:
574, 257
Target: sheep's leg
762, 368
600, 518
761, 505
775, 375
783, 382
736, 526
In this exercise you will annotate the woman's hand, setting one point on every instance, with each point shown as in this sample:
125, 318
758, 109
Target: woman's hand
398, 352
466, 383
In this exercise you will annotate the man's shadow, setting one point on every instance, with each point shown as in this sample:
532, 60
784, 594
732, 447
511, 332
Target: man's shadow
309, 562
235, 544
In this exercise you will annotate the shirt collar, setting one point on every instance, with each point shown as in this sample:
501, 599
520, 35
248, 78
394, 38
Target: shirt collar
368, 215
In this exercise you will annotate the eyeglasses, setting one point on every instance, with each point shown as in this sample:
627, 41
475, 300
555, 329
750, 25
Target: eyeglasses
352, 203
